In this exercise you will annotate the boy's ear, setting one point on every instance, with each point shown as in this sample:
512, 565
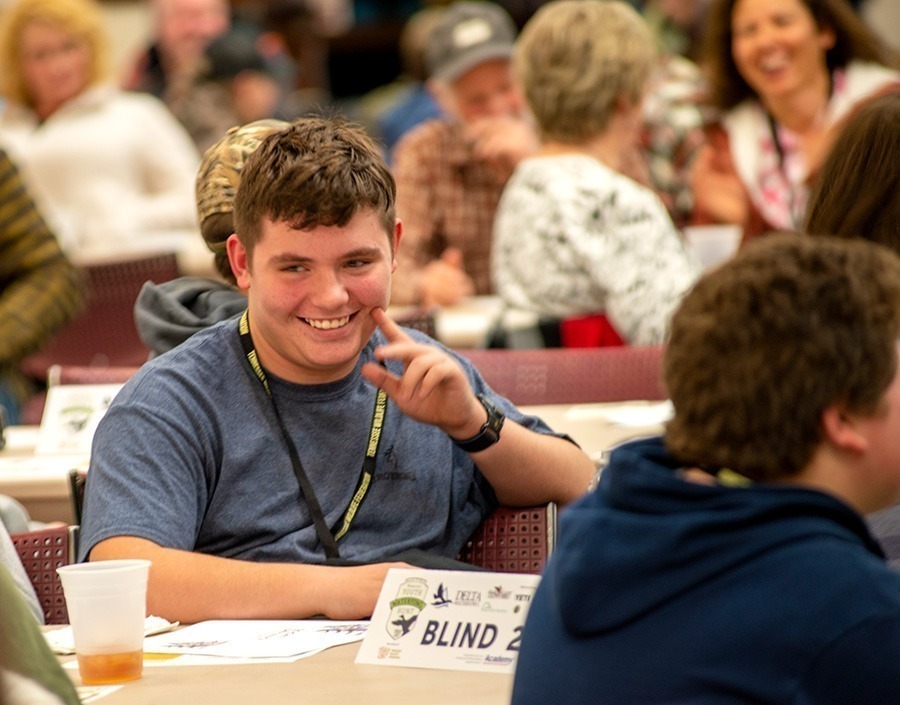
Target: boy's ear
841, 429
237, 257
398, 233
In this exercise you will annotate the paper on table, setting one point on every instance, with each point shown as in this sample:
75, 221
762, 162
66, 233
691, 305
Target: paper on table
61, 640
90, 693
170, 660
257, 638
629, 414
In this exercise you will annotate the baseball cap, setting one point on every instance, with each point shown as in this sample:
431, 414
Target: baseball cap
234, 52
220, 171
469, 34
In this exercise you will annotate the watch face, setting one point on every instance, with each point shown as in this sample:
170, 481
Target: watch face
490, 431
495, 416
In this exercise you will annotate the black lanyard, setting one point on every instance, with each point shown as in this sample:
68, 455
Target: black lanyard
782, 172
327, 537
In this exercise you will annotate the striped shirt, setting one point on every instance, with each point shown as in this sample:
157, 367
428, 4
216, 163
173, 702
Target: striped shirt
40, 289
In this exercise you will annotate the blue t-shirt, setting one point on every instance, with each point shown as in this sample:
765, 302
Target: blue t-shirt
190, 456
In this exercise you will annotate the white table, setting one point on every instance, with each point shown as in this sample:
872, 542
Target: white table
466, 324
328, 677
41, 483
591, 427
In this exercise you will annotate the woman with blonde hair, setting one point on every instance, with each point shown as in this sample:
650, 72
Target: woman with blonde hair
110, 169
574, 236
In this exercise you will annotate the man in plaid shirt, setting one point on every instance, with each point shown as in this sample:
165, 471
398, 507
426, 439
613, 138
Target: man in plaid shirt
450, 172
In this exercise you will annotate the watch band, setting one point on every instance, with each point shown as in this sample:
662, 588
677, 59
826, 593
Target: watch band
489, 433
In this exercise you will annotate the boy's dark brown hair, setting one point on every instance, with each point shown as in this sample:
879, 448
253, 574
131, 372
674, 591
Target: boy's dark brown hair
761, 346
318, 171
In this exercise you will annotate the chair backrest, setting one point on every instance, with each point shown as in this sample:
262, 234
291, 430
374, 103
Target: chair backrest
103, 334
572, 375
421, 319
42, 551
513, 540
78, 374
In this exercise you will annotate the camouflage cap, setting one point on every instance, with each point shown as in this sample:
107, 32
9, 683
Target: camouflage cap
220, 170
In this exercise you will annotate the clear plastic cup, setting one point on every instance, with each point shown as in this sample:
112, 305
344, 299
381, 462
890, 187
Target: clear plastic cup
107, 604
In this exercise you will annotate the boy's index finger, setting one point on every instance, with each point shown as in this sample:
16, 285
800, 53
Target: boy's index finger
389, 327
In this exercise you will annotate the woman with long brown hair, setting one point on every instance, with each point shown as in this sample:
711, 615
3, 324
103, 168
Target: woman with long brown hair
784, 74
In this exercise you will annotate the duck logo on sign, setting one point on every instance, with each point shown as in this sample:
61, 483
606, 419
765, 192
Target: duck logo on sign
405, 608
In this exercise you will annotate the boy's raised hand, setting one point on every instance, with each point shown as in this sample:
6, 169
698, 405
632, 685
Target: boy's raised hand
433, 387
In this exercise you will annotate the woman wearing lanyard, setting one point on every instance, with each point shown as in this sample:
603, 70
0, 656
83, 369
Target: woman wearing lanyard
785, 74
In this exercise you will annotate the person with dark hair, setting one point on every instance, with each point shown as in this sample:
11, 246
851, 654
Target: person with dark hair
182, 31
728, 561
784, 73
235, 85
277, 465
858, 196
858, 190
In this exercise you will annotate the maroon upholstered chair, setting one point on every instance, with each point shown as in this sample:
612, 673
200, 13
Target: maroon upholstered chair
572, 375
103, 334
42, 551
78, 374
513, 540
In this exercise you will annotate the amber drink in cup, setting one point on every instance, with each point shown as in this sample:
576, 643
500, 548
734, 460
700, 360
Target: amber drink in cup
107, 604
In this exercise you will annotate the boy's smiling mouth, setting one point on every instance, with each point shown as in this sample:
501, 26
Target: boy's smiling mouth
327, 323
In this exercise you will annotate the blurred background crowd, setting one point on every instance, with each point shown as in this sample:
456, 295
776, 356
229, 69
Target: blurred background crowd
108, 107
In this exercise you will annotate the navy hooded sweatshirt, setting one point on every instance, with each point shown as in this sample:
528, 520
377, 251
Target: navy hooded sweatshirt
665, 592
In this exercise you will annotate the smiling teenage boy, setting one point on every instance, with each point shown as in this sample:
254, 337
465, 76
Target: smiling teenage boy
257, 465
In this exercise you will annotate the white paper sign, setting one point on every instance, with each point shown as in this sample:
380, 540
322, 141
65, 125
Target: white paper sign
454, 620
71, 415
